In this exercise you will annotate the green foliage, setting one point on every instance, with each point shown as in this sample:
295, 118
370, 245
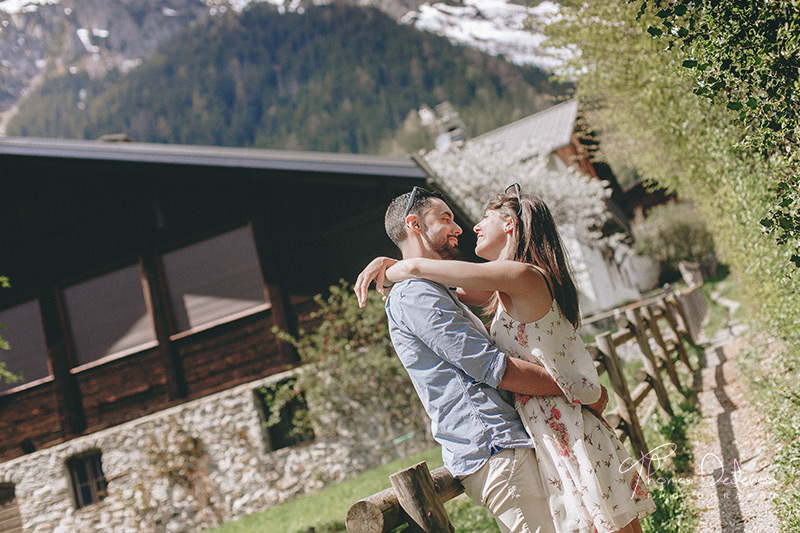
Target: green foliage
673, 513
740, 174
468, 517
669, 485
351, 375
747, 55
640, 96
335, 78
5, 375
288, 421
673, 233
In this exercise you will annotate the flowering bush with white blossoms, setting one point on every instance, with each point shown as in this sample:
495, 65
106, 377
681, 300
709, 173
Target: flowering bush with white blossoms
473, 172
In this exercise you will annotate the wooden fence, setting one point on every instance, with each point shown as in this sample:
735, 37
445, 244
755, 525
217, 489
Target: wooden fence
657, 328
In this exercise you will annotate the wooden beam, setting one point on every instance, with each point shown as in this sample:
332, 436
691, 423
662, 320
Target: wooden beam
72, 417
650, 366
651, 318
625, 405
157, 300
283, 314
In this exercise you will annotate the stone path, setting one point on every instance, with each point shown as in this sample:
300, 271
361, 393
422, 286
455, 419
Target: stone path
732, 482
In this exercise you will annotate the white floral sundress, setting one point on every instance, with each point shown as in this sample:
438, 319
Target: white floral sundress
585, 468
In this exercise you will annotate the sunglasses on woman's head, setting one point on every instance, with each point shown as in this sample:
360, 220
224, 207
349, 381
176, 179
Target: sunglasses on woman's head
515, 187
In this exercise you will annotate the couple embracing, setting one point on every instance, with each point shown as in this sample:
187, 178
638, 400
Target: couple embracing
549, 462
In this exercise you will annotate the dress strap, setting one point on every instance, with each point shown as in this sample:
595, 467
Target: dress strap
546, 281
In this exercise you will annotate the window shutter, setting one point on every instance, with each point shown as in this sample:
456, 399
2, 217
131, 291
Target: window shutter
24, 333
214, 279
108, 315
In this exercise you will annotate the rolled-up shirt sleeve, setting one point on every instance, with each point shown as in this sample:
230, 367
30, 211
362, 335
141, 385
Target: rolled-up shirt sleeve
444, 326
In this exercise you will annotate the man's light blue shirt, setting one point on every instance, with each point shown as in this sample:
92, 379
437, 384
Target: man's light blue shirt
455, 370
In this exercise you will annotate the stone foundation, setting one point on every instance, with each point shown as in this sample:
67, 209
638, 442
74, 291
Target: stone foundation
186, 468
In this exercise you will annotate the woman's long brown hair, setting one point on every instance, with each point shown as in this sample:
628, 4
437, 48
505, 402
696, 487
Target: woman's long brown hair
539, 244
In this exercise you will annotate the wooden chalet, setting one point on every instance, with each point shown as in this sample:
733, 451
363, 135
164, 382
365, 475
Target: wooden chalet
143, 275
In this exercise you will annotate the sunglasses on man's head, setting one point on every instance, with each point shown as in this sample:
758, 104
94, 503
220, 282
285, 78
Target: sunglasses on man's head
515, 188
415, 192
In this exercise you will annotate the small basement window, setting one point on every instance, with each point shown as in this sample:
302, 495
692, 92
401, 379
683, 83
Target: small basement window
10, 518
284, 412
89, 484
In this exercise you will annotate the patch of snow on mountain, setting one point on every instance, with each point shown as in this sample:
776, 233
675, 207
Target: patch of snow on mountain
492, 26
23, 6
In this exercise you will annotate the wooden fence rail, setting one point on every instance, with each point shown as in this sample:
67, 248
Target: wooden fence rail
657, 327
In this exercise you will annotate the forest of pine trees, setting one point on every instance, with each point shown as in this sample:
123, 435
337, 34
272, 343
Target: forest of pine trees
336, 78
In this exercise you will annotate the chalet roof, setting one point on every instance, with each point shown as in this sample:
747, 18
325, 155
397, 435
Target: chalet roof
547, 130
211, 156
473, 171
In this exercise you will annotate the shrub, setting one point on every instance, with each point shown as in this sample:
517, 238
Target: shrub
352, 382
673, 233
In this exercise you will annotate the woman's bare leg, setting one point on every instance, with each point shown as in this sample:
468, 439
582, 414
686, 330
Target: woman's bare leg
633, 527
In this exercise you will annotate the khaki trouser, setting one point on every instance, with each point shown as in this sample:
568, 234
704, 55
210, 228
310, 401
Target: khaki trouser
509, 485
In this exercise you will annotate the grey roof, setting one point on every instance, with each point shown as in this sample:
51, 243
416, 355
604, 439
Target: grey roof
246, 158
548, 130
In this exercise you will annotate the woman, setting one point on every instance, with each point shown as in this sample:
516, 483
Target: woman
534, 302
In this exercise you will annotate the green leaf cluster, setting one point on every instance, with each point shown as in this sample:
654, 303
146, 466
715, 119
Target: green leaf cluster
336, 78
351, 379
747, 55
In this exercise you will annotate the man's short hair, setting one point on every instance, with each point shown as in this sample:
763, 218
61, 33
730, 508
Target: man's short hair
395, 220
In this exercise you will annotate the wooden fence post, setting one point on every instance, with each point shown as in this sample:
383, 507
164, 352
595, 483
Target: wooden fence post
417, 495
669, 314
650, 366
665, 354
381, 512
674, 302
627, 409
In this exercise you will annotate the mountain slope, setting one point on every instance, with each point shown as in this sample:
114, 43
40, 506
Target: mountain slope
335, 78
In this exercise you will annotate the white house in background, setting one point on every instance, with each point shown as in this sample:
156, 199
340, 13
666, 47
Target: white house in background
543, 154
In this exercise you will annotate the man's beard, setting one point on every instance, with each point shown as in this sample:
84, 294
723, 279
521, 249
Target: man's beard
443, 248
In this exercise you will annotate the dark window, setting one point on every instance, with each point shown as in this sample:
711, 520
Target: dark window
108, 315
10, 519
88, 481
214, 280
285, 415
27, 353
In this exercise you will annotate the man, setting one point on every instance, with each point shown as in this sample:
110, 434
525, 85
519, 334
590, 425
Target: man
457, 372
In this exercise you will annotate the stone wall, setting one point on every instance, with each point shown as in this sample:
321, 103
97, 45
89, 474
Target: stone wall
186, 468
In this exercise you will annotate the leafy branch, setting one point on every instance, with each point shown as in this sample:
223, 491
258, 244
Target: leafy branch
748, 54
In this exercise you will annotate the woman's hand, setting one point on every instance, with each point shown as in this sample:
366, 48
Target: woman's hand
600, 405
374, 271
400, 270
